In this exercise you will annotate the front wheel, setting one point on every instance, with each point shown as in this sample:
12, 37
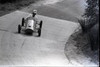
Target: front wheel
39, 32
41, 22
23, 21
19, 28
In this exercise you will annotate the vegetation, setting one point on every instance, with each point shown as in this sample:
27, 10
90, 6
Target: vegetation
7, 6
13, 1
10, 1
90, 23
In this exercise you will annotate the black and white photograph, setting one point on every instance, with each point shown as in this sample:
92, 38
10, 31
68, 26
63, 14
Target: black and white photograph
49, 33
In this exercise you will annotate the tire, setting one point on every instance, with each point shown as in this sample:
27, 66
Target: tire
19, 28
41, 22
23, 21
39, 32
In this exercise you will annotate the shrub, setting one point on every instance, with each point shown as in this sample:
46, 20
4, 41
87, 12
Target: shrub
90, 23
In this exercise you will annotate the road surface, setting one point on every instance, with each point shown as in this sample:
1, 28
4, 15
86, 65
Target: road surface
69, 10
21, 49
47, 50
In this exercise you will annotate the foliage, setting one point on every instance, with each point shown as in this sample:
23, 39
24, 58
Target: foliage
14, 1
5, 1
90, 23
92, 11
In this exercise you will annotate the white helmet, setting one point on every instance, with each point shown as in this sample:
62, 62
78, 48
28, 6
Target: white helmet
35, 11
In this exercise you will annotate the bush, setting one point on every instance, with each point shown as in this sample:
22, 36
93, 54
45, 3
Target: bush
83, 25
90, 23
93, 35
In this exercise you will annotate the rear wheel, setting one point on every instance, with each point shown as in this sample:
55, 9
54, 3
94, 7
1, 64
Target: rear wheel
19, 28
23, 21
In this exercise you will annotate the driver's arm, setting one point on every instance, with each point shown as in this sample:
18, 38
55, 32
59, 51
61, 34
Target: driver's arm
37, 20
30, 15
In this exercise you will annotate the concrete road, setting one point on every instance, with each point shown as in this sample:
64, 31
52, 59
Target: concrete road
21, 49
62, 9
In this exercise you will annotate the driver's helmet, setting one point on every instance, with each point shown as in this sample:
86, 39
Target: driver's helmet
35, 11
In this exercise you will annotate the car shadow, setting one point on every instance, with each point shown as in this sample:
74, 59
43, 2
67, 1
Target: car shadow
27, 34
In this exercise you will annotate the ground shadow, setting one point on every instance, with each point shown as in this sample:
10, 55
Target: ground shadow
27, 34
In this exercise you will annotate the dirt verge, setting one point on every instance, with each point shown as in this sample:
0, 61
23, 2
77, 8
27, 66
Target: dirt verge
78, 48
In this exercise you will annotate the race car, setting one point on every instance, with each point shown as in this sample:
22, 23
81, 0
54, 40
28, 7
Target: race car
29, 26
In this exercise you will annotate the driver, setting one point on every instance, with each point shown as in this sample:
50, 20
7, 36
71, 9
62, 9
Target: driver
34, 17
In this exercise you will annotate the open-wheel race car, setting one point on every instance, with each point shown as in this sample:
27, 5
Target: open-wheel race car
29, 26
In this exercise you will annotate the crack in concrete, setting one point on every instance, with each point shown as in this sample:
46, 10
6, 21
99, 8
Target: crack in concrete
23, 43
4, 30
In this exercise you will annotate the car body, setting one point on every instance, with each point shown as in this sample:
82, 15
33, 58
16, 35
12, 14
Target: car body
29, 26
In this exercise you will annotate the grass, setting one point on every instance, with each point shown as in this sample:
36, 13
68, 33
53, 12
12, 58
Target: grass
9, 7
